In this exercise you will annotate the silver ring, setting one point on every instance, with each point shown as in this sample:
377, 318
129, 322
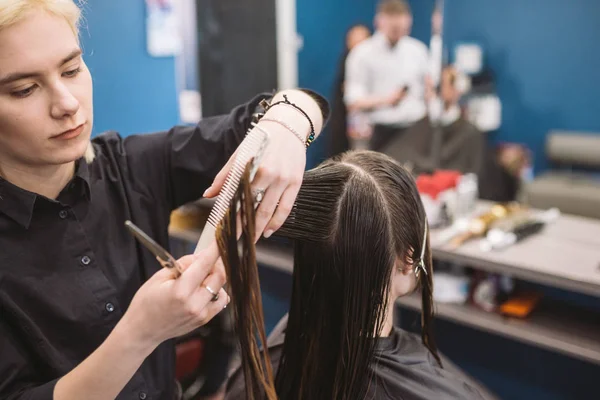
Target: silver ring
259, 194
214, 294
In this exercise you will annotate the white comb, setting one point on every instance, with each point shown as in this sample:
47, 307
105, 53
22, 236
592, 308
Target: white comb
252, 148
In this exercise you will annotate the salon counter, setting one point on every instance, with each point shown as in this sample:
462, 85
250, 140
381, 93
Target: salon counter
566, 255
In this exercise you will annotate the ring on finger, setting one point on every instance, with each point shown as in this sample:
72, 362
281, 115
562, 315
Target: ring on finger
259, 194
215, 295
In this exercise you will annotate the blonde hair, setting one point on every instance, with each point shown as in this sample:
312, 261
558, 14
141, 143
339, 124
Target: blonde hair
14, 11
393, 7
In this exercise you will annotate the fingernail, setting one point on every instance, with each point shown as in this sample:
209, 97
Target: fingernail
268, 234
206, 191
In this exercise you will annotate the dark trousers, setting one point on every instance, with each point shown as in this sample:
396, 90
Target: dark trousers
383, 135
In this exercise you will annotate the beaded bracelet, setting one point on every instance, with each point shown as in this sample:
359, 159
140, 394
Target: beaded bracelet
312, 135
288, 127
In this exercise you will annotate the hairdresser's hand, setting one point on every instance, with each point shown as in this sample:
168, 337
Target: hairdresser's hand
165, 307
279, 176
282, 166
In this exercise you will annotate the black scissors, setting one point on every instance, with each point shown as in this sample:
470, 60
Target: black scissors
164, 258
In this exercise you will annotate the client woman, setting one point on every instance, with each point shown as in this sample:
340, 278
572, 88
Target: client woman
360, 237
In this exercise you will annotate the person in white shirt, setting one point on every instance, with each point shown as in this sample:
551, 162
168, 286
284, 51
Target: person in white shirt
385, 75
457, 144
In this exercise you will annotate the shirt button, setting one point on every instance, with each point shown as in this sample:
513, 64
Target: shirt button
110, 307
143, 395
63, 214
85, 260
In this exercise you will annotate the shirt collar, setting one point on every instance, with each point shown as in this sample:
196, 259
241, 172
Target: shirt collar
18, 204
82, 174
383, 41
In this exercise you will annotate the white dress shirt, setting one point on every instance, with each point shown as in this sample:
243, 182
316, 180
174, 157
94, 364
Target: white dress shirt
374, 68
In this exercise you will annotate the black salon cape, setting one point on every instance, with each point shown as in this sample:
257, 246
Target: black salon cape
403, 369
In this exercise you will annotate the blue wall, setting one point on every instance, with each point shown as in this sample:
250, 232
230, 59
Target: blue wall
546, 60
133, 92
323, 25
542, 52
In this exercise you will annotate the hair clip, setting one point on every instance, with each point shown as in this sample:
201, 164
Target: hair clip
421, 264
420, 267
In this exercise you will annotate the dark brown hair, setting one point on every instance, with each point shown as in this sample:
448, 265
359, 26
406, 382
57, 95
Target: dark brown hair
242, 276
393, 7
354, 215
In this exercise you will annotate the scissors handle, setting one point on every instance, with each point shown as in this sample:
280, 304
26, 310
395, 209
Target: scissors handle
164, 258
173, 265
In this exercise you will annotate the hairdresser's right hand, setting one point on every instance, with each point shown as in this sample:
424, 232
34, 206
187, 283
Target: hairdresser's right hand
165, 307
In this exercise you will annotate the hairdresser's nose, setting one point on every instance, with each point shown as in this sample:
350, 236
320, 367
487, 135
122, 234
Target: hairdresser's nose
64, 103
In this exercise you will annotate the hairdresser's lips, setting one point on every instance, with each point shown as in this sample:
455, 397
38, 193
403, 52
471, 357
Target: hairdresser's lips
70, 134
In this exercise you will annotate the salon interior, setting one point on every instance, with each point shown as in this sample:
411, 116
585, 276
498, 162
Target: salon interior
506, 157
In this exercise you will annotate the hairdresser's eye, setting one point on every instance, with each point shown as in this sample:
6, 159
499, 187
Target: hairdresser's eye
24, 93
72, 73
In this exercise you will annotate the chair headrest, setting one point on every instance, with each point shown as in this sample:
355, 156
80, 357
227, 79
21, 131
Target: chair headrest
574, 148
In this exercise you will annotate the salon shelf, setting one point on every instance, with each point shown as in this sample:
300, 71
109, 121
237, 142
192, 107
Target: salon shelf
557, 327
566, 255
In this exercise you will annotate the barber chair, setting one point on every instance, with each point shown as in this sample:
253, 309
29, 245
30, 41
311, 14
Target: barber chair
573, 182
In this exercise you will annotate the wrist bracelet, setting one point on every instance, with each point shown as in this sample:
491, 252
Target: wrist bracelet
312, 136
288, 127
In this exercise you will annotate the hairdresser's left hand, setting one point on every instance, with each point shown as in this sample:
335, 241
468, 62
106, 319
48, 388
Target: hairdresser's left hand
280, 175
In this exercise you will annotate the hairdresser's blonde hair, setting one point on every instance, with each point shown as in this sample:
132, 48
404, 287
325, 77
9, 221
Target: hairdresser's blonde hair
14, 11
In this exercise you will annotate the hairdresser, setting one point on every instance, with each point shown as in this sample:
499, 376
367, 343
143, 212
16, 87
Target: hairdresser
85, 311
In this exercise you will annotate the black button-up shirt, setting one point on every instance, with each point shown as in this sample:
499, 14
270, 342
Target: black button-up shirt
68, 267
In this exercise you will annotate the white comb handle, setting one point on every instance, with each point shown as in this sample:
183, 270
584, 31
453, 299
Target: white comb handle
208, 235
250, 147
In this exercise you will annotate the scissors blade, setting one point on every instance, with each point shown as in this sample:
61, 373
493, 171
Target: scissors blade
149, 243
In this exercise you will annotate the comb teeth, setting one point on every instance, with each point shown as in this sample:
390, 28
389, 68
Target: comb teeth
248, 149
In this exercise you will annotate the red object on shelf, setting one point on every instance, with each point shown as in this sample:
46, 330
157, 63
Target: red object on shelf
189, 357
433, 185
446, 179
426, 185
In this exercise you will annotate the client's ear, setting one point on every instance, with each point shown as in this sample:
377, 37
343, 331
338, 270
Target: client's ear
404, 280
403, 267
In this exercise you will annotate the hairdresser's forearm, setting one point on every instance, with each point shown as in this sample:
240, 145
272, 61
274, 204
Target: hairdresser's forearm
104, 374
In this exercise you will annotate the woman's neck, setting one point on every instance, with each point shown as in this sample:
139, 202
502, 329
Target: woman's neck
47, 181
388, 323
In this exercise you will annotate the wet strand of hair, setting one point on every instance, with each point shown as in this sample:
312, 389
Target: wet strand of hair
242, 274
314, 212
427, 312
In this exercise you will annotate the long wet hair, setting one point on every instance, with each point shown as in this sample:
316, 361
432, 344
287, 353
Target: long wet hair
354, 216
